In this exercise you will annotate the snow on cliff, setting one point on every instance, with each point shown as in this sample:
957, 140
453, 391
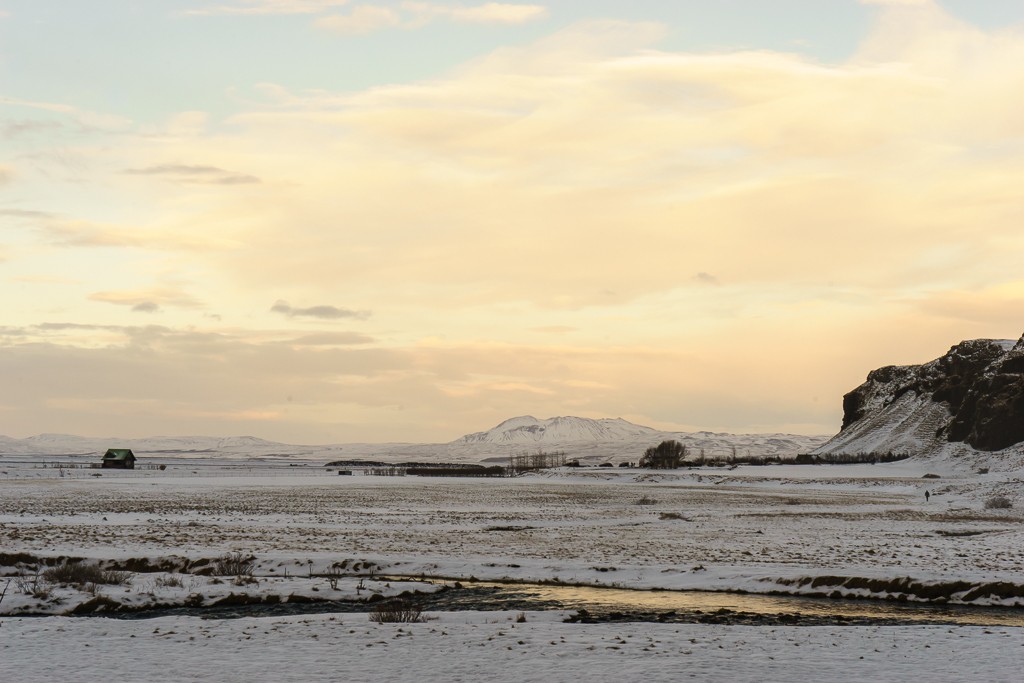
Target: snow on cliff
970, 401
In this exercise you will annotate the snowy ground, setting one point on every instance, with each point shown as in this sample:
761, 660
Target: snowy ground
483, 646
843, 530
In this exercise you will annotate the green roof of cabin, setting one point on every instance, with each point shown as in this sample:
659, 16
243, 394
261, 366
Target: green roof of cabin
118, 454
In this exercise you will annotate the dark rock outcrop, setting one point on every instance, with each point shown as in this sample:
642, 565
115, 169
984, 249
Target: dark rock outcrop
990, 416
974, 394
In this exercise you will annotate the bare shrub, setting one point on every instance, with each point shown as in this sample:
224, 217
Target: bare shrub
169, 581
646, 500
236, 564
83, 574
32, 584
397, 611
117, 578
74, 573
998, 503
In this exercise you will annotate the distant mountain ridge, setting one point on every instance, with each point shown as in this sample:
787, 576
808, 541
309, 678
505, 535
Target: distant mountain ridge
589, 440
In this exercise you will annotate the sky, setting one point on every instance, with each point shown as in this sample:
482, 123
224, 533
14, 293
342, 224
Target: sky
328, 221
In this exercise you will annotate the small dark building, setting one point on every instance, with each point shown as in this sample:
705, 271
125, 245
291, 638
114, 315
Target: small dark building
119, 458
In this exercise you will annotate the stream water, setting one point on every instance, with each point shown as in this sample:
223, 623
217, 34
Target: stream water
589, 605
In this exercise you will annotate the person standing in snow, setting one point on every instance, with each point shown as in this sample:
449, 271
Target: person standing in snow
926, 495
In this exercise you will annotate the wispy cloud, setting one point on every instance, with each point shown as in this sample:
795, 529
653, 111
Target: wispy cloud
148, 301
366, 18
268, 7
63, 327
331, 339
87, 119
81, 233
706, 278
322, 312
362, 19
900, 3
555, 329
185, 173
16, 129
487, 13
27, 214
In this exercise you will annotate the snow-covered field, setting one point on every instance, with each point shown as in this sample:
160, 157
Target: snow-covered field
852, 531
487, 646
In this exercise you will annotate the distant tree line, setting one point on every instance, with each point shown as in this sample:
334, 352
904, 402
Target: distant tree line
468, 471
528, 462
670, 455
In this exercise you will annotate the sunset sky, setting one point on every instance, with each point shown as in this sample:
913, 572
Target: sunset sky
321, 221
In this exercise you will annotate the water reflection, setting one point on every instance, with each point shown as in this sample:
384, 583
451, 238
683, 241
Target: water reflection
605, 599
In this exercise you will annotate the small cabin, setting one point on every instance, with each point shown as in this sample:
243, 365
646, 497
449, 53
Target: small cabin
119, 458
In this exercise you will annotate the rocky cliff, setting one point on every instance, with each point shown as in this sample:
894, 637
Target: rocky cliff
973, 395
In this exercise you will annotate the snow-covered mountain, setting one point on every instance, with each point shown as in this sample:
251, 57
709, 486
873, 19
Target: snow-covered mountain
529, 430
617, 440
968, 401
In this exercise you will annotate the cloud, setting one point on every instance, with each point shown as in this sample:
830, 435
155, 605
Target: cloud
995, 306
27, 214
555, 329
206, 175
487, 13
322, 312
581, 183
6, 175
900, 3
159, 376
86, 119
764, 167
362, 19
706, 278
61, 327
269, 7
331, 339
148, 301
367, 18
66, 232
23, 128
